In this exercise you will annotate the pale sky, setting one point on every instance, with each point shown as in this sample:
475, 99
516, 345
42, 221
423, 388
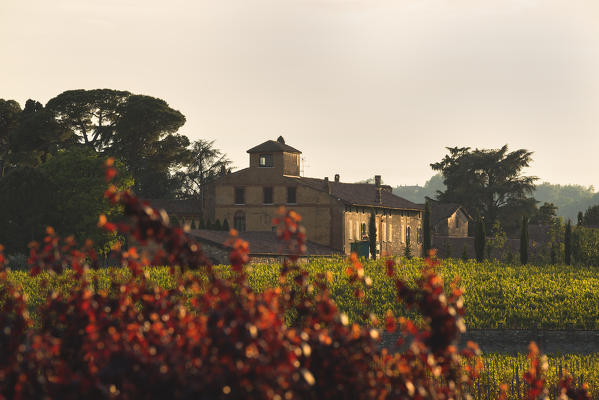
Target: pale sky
361, 87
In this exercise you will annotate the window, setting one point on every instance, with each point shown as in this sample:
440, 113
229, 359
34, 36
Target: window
239, 195
265, 160
420, 235
350, 230
291, 195
363, 232
239, 221
408, 231
383, 231
457, 221
390, 234
267, 195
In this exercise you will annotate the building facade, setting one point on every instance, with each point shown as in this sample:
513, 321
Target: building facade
334, 214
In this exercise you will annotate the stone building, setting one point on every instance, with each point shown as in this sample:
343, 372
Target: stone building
448, 219
335, 214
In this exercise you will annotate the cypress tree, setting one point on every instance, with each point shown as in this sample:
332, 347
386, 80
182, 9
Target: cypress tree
193, 224
372, 234
408, 249
201, 225
524, 241
226, 225
217, 226
479, 239
580, 219
568, 243
426, 228
174, 221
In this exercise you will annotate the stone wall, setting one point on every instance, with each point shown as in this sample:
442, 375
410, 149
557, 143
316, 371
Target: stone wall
512, 341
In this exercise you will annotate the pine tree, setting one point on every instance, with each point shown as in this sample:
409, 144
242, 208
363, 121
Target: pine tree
217, 226
568, 243
193, 224
372, 234
426, 228
201, 225
226, 225
479, 239
524, 241
580, 219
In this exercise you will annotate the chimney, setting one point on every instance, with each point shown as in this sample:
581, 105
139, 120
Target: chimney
327, 185
336, 177
377, 180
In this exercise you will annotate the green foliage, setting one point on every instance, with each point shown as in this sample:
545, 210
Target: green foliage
546, 215
9, 117
426, 230
580, 219
193, 224
568, 243
217, 225
585, 245
226, 225
37, 136
407, 251
92, 115
524, 241
497, 241
497, 295
372, 234
205, 164
487, 180
591, 216
479, 239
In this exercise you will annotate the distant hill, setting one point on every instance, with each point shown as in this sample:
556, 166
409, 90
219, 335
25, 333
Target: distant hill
570, 199
417, 193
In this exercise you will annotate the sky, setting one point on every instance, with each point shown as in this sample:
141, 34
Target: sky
361, 87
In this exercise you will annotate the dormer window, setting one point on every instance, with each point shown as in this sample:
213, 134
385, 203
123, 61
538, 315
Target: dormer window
265, 160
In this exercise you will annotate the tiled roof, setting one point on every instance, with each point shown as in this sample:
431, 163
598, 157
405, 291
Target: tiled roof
273, 146
361, 194
177, 206
261, 242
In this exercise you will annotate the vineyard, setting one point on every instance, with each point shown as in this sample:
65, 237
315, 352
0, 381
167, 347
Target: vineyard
500, 368
191, 330
496, 295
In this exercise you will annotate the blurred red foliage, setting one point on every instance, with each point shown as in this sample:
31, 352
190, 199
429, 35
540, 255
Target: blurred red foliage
221, 339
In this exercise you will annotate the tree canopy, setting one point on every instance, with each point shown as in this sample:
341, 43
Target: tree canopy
63, 145
488, 180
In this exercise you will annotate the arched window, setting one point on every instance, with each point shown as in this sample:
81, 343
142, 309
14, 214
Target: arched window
363, 233
408, 231
239, 221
